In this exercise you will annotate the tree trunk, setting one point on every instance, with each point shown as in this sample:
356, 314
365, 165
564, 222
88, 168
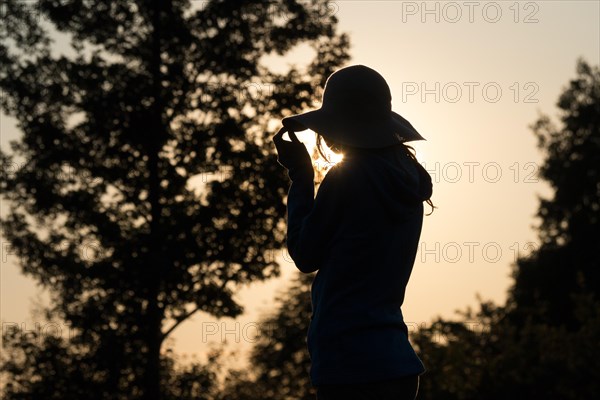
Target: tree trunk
154, 312
152, 386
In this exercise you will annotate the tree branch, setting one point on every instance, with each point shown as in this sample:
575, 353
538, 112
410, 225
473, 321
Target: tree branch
179, 321
190, 313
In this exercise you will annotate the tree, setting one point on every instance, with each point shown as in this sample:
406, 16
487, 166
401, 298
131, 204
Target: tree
567, 262
154, 96
484, 355
31, 358
543, 342
280, 359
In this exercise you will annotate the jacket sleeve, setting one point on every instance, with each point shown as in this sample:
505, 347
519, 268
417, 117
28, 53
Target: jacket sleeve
312, 222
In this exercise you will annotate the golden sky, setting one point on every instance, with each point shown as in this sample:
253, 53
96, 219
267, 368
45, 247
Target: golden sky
470, 79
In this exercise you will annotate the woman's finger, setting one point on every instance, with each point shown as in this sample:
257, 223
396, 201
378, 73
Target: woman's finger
279, 135
293, 136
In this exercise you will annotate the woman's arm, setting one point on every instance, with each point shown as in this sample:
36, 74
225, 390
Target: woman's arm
312, 222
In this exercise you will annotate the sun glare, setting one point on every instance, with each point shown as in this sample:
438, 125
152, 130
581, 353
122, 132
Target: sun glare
334, 157
322, 166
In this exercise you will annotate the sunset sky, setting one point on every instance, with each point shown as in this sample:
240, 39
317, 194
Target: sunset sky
470, 83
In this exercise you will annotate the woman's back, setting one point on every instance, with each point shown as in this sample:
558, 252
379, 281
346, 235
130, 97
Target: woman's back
357, 332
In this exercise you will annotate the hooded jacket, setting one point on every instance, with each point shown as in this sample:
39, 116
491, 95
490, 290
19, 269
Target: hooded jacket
360, 234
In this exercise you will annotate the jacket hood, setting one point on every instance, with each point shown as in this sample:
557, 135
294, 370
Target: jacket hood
397, 180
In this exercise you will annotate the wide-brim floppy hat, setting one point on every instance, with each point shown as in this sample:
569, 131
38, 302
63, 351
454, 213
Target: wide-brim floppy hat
356, 110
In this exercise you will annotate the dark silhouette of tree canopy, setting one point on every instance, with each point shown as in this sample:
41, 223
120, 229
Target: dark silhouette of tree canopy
567, 262
280, 360
543, 342
48, 364
151, 96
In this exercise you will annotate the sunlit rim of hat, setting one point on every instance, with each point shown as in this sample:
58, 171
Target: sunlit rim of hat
357, 111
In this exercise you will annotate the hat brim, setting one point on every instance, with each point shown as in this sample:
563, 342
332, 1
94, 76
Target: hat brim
353, 131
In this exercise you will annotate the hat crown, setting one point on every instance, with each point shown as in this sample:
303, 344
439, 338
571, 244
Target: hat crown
358, 90
357, 111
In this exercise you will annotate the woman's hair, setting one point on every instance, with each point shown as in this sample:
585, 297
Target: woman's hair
337, 148
340, 148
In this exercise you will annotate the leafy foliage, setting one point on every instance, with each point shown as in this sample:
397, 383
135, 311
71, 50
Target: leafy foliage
543, 342
567, 261
280, 358
146, 187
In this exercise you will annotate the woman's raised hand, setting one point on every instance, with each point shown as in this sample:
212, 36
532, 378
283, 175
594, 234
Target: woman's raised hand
293, 155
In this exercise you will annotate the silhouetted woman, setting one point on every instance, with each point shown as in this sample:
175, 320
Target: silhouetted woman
360, 233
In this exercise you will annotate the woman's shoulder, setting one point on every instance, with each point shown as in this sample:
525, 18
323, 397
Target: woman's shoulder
345, 178
344, 171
